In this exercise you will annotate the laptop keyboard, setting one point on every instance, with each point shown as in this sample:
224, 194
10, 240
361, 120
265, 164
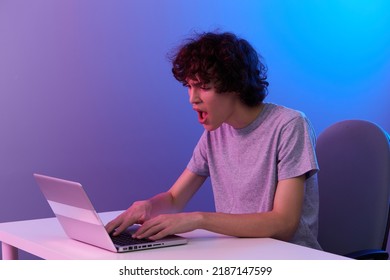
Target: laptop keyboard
125, 239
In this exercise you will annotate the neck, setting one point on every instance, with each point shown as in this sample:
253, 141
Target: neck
244, 115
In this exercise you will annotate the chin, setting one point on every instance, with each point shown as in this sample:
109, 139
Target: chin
210, 128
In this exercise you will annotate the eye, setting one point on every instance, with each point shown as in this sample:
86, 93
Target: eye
205, 87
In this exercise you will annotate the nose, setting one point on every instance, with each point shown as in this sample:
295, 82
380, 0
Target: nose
194, 97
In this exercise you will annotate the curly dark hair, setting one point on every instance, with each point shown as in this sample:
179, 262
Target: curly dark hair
230, 62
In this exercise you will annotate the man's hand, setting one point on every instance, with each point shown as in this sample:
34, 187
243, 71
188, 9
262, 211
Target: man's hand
167, 224
137, 213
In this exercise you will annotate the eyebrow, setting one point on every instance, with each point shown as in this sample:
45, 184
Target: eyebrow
196, 83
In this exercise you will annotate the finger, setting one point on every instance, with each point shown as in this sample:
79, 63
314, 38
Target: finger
147, 230
118, 230
112, 225
161, 234
118, 225
122, 227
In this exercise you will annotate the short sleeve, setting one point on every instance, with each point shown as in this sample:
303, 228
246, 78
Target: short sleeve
198, 163
296, 149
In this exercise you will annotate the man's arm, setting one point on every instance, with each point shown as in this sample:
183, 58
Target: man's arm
281, 222
172, 201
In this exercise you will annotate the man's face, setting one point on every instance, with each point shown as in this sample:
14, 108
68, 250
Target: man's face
213, 108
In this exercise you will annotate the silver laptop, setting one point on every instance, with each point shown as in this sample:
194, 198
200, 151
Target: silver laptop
80, 221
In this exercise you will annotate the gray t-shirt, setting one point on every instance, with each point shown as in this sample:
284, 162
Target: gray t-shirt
246, 164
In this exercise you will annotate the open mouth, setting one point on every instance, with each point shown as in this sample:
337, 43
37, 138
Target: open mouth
202, 116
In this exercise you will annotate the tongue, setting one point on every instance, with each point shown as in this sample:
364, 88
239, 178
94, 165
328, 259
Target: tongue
202, 116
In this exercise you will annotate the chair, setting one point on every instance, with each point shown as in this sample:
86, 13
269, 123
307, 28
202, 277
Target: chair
354, 189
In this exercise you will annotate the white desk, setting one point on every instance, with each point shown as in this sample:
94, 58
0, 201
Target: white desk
46, 239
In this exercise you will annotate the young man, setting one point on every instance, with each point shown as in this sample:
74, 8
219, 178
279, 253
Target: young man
260, 156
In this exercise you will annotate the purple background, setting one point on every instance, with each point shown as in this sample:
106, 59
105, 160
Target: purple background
86, 91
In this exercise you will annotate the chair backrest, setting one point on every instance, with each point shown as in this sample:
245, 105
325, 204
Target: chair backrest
354, 186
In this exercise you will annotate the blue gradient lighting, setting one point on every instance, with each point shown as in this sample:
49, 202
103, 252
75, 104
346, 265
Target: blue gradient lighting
334, 53
340, 39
